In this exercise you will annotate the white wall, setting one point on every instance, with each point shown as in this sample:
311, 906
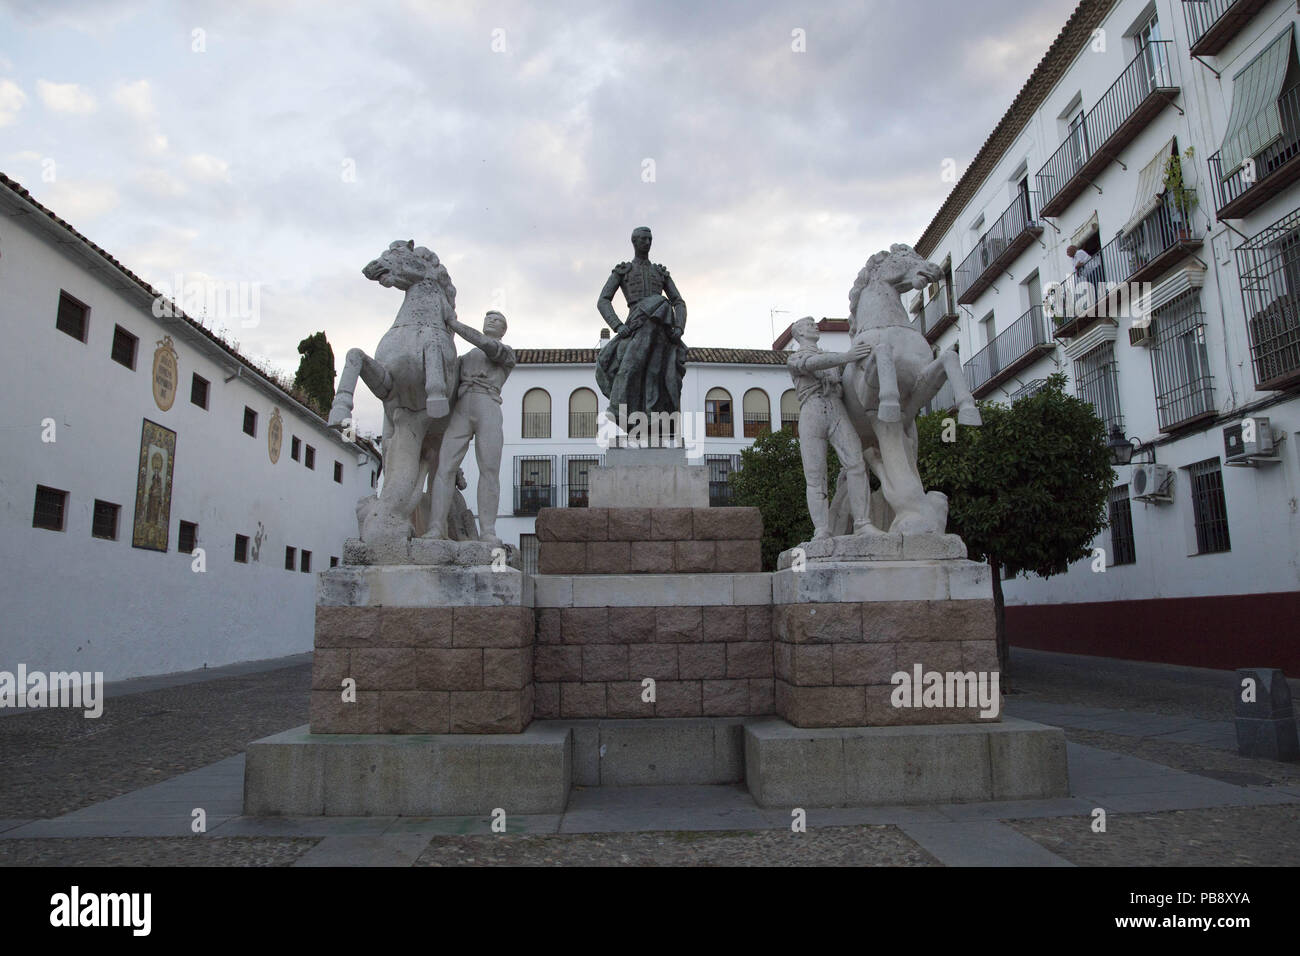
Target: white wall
72, 601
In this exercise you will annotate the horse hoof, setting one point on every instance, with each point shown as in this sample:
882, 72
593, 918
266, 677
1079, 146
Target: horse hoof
969, 415
438, 408
889, 412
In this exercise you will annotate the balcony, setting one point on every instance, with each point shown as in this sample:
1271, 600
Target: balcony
938, 315
1029, 390
1266, 173
583, 424
1269, 265
1212, 23
1162, 239
537, 425
1014, 231
945, 401
756, 423
721, 428
720, 494
1082, 297
530, 499
1144, 89
1023, 342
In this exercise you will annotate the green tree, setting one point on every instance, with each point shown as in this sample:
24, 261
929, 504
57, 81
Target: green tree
315, 376
771, 479
1027, 492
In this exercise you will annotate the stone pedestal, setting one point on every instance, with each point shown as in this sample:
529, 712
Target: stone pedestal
433, 650
649, 540
850, 619
648, 478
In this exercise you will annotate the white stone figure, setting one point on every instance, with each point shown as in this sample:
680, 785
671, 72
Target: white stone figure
483, 370
884, 392
823, 419
414, 373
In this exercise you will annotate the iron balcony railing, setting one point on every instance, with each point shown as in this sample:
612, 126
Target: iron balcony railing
1143, 89
530, 499
1212, 23
1168, 234
756, 423
939, 313
537, 425
1015, 229
1269, 266
791, 422
1029, 390
944, 400
1238, 191
583, 424
1074, 300
1009, 352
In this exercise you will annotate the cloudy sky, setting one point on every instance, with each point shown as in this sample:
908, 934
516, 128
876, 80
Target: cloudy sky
772, 147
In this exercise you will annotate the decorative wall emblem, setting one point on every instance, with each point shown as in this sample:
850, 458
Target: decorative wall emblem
166, 373
153, 489
274, 436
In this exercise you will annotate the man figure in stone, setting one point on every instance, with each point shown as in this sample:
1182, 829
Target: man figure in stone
477, 415
642, 365
822, 419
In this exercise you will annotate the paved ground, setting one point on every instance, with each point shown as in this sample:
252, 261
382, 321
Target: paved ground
1151, 745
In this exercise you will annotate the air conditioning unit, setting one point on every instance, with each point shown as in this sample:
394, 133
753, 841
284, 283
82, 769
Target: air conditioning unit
1142, 333
1151, 482
1249, 442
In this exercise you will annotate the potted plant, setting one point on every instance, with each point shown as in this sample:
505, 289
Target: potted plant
1180, 195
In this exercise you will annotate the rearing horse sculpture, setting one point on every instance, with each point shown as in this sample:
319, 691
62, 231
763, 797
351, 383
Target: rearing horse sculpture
884, 392
414, 373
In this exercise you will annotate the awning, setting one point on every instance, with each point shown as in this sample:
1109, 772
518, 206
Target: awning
1089, 228
1151, 186
1255, 122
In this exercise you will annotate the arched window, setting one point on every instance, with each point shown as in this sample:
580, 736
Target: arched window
582, 413
758, 413
790, 410
717, 414
537, 413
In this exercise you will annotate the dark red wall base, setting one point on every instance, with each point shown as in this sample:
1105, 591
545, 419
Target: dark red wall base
1223, 632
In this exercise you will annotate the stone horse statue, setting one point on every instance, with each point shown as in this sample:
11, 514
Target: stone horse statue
884, 392
414, 373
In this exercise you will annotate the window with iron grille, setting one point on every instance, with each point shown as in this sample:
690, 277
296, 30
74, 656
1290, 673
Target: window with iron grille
250, 422
1122, 544
577, 476
528, 553
534, 484
1180, 363
103, 523
290, 558
1210, 507
295, 448
124, 345
71, 317
720, 470
338, 472
1032, 388
188, 537
309, 457
199, 391
537, 414
304, 562
51, 508
1269, 266
241, 548
1097, 382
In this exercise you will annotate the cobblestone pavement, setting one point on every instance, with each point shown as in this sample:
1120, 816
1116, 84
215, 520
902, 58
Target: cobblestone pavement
56, 760
825, 846
155, 851
1240, 836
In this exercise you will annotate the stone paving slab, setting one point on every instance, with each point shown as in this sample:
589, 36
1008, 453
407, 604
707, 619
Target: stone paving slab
980, 843
387, 849
521, 823
1220, 734
301, 826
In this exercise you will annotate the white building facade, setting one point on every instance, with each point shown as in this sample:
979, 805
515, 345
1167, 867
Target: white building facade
1180, 323
131, 441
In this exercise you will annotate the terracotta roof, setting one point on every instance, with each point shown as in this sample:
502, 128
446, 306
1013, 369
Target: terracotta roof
825, 325
706, 356
15, 187
1074, 36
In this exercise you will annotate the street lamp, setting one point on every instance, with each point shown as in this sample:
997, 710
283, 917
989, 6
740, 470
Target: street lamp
1122, 449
